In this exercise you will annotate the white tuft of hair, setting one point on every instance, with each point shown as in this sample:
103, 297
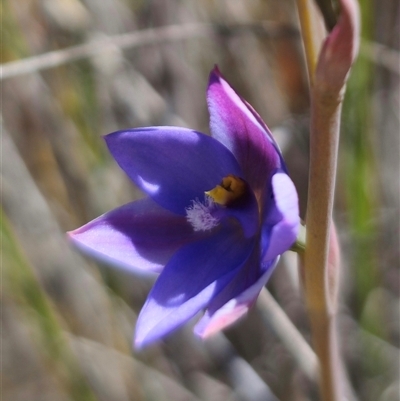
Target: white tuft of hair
200, 214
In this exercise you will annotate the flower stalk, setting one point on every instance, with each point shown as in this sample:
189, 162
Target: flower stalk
321, 257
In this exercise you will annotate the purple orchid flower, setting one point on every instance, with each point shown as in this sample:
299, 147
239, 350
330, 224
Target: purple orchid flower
218, 213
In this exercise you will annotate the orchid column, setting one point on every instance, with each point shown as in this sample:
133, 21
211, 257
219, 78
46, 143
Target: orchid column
328, 75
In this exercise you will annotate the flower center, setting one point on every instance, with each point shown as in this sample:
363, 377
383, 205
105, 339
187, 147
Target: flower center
231, 189
204, 216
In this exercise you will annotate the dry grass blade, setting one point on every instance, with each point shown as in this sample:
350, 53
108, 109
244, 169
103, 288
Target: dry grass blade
43, 242
288, 334
135, 39
381, 55
96, 361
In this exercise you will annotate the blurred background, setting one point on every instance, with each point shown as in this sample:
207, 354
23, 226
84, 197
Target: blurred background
67, 322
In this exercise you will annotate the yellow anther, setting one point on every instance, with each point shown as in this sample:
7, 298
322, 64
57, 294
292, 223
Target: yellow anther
230, 189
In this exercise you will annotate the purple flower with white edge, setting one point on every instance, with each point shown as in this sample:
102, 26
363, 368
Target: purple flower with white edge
219, 211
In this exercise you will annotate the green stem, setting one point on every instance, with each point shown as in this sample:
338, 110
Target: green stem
324, 140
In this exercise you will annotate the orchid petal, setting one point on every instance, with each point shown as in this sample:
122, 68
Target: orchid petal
174, 166
282, 222
236, 299
139, 236
193, 277
235, 124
